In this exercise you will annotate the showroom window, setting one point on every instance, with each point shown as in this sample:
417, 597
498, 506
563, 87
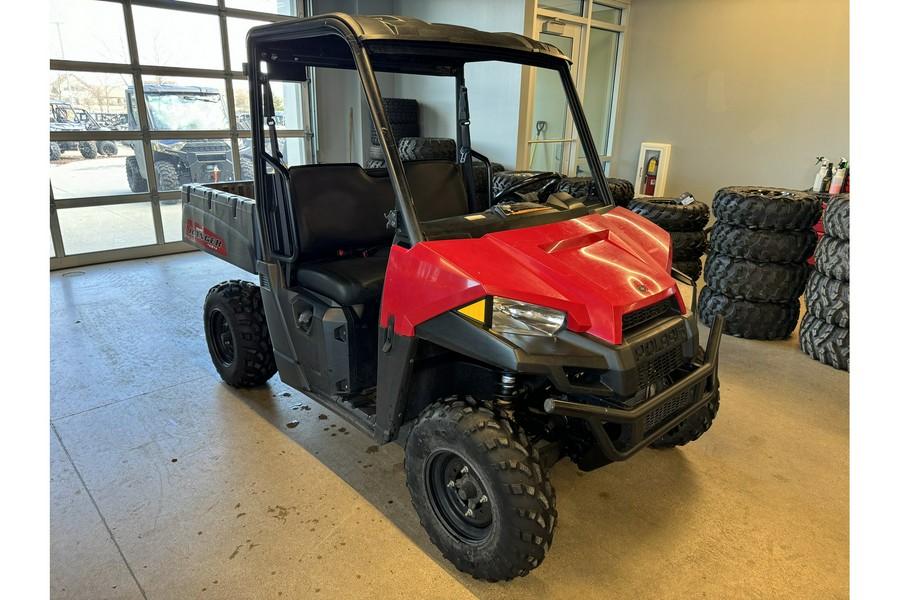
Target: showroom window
145, 97
592, 34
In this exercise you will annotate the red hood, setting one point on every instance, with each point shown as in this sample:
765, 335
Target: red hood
595, 268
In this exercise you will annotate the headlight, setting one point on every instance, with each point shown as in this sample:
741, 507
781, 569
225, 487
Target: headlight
512, 316
174, 146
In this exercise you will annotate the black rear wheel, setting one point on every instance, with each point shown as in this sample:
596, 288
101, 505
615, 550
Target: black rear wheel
237, 335
88, 149
479, 490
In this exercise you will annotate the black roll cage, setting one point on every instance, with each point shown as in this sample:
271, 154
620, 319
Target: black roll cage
387, 44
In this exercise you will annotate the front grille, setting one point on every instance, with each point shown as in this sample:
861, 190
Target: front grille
659, 365
205, 147
648, 313
663, 412
211, 157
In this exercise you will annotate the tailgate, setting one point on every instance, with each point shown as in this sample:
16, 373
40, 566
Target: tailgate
220, 219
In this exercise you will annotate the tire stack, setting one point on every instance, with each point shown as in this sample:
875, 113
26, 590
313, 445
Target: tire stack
825, 328
622, 190
757, 266
686, 225
403, 116
482, 191
504, 180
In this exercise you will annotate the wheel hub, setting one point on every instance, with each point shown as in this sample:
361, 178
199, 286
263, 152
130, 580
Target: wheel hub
459, 497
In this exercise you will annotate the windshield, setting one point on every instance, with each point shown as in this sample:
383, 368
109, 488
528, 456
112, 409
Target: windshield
62, 113
187, 111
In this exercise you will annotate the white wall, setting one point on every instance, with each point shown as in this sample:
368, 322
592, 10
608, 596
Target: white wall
493, 92
339, 96
748, 92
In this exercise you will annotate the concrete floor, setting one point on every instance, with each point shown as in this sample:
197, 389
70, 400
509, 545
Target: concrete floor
166, 483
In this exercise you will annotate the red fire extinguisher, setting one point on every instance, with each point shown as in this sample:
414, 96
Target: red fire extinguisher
650, 176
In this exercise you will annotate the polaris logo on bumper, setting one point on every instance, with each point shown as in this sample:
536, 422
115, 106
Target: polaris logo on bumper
661, 343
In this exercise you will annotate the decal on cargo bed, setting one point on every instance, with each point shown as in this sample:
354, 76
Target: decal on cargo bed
204, 237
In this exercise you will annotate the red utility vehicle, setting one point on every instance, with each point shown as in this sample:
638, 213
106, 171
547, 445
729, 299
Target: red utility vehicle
491, 342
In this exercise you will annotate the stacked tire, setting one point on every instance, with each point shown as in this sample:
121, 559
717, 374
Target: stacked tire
686, 224
825, 328
504, 180
403, 116
622, 190
757, 266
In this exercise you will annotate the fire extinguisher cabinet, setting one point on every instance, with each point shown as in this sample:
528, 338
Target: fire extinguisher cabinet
653, 164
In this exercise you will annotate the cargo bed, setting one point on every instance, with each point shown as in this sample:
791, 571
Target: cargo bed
220, 219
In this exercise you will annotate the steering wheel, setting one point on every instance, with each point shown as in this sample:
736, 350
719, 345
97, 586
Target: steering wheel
552, 180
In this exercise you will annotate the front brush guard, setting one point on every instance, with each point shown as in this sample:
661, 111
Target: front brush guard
702, 382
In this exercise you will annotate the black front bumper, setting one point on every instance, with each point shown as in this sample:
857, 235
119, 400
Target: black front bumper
649, 420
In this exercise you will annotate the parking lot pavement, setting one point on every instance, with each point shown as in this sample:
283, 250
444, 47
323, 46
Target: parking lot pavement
78, 177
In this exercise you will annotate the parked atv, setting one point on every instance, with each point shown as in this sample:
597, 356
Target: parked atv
65, 117
491, 342
180, 160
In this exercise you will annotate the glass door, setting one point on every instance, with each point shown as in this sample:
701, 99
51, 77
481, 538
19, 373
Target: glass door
592, 34
551, 143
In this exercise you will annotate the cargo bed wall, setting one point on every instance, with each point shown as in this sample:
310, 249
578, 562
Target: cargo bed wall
220, 219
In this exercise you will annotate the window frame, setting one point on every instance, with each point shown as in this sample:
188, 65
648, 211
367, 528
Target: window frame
230, 74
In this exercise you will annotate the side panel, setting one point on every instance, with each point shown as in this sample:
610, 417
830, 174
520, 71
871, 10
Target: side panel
220, 219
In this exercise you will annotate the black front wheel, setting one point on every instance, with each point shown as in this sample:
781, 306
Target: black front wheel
479, 489
237, 335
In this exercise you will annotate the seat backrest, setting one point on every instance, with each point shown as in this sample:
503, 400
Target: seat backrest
342, 207
438, 189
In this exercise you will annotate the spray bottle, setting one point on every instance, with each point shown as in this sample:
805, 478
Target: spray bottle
826, 181
837, 183
820, 176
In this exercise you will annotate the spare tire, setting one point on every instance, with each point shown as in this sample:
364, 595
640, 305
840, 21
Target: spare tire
376, 153
507, 179
825, 342
579, 187
401, 110
482, 192
832, 257
400, 130
767, 208
688, 245
756, 281
692, 268
622, 191
748, 319
828, 299
836, 219
762, 245
671, 214
427, 148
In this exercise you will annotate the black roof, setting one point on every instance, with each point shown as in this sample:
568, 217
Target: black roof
394, 43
